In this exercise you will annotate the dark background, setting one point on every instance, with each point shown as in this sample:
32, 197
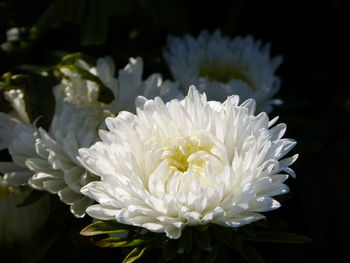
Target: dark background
311, 36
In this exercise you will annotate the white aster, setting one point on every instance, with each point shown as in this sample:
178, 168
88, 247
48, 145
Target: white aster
130, 85
221, 66
188, 162
55, 165
17, 225
125, 87
46, 160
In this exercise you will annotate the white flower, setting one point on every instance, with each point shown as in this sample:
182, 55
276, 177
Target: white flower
55, 166
46, 160
221, 66
130, 85
17, 225
188, 162
125, 88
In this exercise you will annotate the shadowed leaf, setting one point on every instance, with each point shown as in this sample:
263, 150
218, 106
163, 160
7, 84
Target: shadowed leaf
104, 227
135, 254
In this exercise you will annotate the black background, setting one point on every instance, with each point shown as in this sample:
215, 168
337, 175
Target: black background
311, 36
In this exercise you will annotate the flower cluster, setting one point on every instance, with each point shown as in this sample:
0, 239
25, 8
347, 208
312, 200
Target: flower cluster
159, 155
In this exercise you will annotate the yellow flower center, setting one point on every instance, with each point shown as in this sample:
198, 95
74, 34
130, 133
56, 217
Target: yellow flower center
223, 72
188, 151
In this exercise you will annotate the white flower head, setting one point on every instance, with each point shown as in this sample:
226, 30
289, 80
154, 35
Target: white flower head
125, 87
186, 163
55, 165
221, 66
47, 160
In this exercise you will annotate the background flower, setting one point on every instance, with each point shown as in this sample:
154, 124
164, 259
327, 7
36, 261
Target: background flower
46, 160
221, 66
188, 162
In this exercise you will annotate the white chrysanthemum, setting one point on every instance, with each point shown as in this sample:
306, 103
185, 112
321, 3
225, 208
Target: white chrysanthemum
130, 85
188, 162
18, 224
221, 66
48, 159
126, 87
55, 165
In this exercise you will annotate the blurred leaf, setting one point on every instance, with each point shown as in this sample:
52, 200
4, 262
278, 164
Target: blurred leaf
70, 11
250, 254
170, 249
135, 254
119, 242
279, 237
236, 242
31, 198
105, 227
248, 230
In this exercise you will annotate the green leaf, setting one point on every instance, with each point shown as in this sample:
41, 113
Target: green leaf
6, 81
170, 249
186, 239
135, 254
104, 227
74, 57
119, 242
105, 94
202, 240
94, 30
250, 254
31, 198
279, 237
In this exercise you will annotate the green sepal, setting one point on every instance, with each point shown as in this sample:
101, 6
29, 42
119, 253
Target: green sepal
236, 242
186, 240
211, 258
202, 240
135, 254
170, 249
250, 254
278, 237
119, 242
105, 227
